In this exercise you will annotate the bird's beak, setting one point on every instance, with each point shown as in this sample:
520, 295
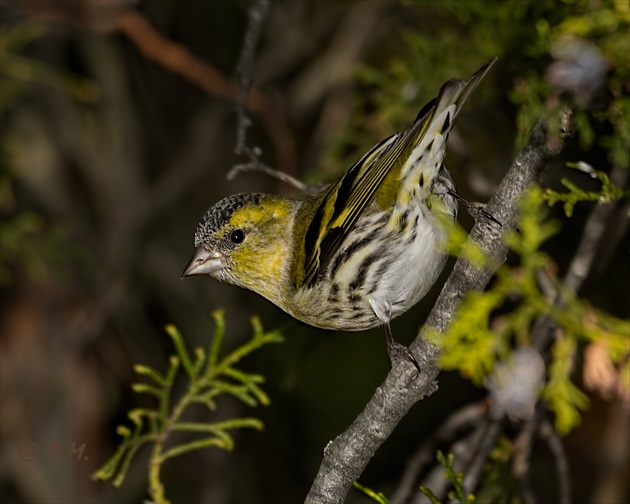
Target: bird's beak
204, 262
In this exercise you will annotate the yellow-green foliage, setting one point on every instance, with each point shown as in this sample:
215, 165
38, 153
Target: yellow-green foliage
375, 496
606, 25
561, 394
208, 377
457, 494
608, 193
477, 339
522, 35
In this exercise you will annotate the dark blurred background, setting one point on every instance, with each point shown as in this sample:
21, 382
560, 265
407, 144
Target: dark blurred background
118, 130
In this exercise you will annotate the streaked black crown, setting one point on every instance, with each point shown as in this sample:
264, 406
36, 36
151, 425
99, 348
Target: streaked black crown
219, 214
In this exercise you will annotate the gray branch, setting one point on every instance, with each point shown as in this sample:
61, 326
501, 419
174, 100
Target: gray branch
346, 457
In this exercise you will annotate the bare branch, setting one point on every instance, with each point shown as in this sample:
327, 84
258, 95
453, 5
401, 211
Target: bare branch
270, 172
178, 59
494, 429
256, 17
562, 464
463, 450
522, 456
346, 457
425, 454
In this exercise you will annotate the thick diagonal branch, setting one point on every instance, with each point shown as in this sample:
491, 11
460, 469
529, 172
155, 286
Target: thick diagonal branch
346, 457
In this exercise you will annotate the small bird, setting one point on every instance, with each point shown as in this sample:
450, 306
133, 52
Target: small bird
360, 252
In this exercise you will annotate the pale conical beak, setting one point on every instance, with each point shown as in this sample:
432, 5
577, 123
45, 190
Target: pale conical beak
204, 262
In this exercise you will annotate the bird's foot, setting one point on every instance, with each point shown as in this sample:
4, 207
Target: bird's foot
398, 352
475, 209
395, 350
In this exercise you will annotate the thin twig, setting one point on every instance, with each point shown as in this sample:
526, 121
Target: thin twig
179, 60
255, 19
474, 471
522, 456
554, 442
346, 457
271, 172
594, 230
425, 454
584, 259
463, 449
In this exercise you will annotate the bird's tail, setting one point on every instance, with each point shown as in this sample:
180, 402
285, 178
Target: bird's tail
454, 92
432, 126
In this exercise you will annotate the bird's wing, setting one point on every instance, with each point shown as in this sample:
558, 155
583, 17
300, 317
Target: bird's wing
342, 203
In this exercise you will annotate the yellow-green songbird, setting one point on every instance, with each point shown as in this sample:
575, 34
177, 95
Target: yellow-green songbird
361, 252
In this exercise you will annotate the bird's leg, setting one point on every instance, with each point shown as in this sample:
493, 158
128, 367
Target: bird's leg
396, 351
474, 208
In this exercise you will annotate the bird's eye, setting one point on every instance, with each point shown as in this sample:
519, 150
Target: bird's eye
237, 236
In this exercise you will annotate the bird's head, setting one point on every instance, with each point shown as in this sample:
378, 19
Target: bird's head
246, 240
